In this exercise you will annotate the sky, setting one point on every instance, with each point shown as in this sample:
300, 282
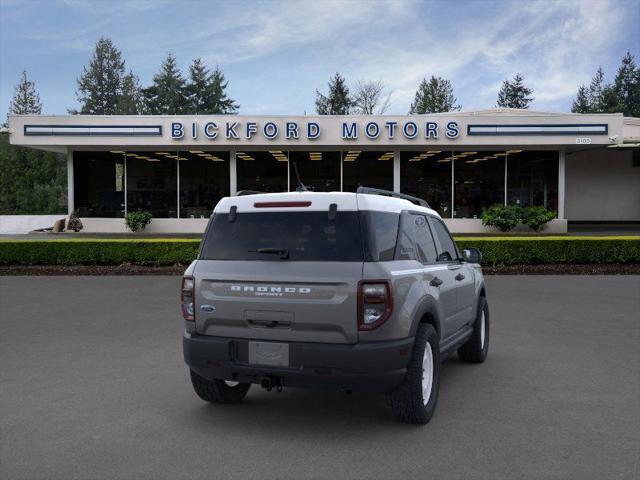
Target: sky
275, 54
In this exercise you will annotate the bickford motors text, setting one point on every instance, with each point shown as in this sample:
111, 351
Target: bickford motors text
349, 130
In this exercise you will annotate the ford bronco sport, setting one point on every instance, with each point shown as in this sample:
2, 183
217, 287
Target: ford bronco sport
358, 291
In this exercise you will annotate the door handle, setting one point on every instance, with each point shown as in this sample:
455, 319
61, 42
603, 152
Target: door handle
459, 277
436, 282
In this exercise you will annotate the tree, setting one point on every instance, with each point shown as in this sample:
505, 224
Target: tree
370, 98
167, 95
581, 104
434, 95
100, 85
31, 181
130, 101
338, 101
627, 86
25, 99
206, 92
514, 94
596, 91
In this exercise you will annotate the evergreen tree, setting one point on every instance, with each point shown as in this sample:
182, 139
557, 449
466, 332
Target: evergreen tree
596, 91
338, 101
627, 86
514, 94
25, 99
218, 100
100, 85
31, 181
581, 104
167, 95
130, 101
206, 91
434, 95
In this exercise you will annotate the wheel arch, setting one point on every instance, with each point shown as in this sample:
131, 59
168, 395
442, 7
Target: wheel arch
427, 312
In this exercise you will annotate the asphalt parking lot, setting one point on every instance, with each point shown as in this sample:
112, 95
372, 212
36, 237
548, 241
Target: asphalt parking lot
92, 385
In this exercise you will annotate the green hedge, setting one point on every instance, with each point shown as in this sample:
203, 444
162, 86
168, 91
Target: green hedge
569, 250
495, 250
98, 252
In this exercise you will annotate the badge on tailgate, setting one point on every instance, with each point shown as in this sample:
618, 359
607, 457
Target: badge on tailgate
269, 353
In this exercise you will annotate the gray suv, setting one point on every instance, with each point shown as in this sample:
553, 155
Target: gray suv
358, 291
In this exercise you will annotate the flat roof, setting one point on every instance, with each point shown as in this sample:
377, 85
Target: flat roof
479, 128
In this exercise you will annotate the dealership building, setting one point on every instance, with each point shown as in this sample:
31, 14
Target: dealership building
586, 168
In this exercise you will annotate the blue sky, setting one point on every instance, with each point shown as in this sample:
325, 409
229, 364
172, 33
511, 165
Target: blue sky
276, 53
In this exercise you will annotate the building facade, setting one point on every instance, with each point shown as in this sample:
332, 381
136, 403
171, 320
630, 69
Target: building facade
583, 167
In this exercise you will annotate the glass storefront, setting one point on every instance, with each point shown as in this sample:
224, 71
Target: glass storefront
99, 184
532, 178
427, 174
370, 169
188, 184
478, 182
262, 171
204, 180
152, 184
319, 171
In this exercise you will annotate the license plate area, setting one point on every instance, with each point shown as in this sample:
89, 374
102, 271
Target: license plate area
269, 353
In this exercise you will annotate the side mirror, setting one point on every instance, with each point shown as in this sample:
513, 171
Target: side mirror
472, 255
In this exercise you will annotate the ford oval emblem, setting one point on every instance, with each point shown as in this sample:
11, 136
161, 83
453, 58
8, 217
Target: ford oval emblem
207, 308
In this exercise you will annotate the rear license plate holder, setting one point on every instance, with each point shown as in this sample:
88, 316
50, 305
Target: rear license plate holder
269, 353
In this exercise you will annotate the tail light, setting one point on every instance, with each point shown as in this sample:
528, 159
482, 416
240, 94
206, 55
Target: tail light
375, 303
187, 298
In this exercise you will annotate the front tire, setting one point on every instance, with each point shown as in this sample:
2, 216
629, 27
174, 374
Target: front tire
218, 391
475, 349
414, 401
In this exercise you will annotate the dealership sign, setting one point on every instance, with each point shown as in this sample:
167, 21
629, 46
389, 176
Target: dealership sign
292, 130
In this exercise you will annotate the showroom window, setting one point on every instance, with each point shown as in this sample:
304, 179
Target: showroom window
99, 184
204, 180
152, 184
532, 178
319, 171
369, 169
478, 182
427, 174
262, 171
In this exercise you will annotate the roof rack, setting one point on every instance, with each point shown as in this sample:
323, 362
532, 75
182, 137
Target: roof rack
242, 193
389, 193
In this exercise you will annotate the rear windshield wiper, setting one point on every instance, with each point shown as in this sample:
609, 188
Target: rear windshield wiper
283, 252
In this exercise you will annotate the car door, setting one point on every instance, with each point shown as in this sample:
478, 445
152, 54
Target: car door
438, 280
461, 275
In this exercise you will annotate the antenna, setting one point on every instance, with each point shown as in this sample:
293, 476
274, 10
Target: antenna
301, 186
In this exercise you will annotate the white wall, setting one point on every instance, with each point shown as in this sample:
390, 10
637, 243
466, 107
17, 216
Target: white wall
13, 224
602, 185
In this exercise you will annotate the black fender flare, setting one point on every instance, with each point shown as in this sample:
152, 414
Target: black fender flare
427, 305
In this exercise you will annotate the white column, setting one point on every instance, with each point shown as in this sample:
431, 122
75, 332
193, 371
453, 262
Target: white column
177, 188
233, 177
125, 186
70, 186
453, 183
396, 171
341, 170
506, 168
561, 176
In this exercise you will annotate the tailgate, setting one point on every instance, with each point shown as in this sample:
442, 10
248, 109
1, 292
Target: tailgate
281, 301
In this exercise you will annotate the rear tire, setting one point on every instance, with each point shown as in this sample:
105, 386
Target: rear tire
415, 399
218, 391
475, 349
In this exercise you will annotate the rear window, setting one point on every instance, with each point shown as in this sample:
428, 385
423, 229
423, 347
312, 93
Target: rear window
305, 236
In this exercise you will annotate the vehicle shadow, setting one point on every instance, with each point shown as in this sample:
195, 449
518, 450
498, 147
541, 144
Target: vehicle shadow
292, 411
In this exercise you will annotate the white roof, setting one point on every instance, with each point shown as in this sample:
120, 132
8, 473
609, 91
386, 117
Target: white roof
317, 201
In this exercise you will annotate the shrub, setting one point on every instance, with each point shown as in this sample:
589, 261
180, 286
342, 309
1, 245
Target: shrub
504, 218
137, 220
495, 251
74, 223
537, 217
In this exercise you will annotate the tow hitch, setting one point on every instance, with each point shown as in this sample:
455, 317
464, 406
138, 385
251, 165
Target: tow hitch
268, 383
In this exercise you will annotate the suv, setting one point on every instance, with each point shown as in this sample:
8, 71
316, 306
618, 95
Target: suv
358, 291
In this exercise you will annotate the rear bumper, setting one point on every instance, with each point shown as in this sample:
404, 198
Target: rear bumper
373, 366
